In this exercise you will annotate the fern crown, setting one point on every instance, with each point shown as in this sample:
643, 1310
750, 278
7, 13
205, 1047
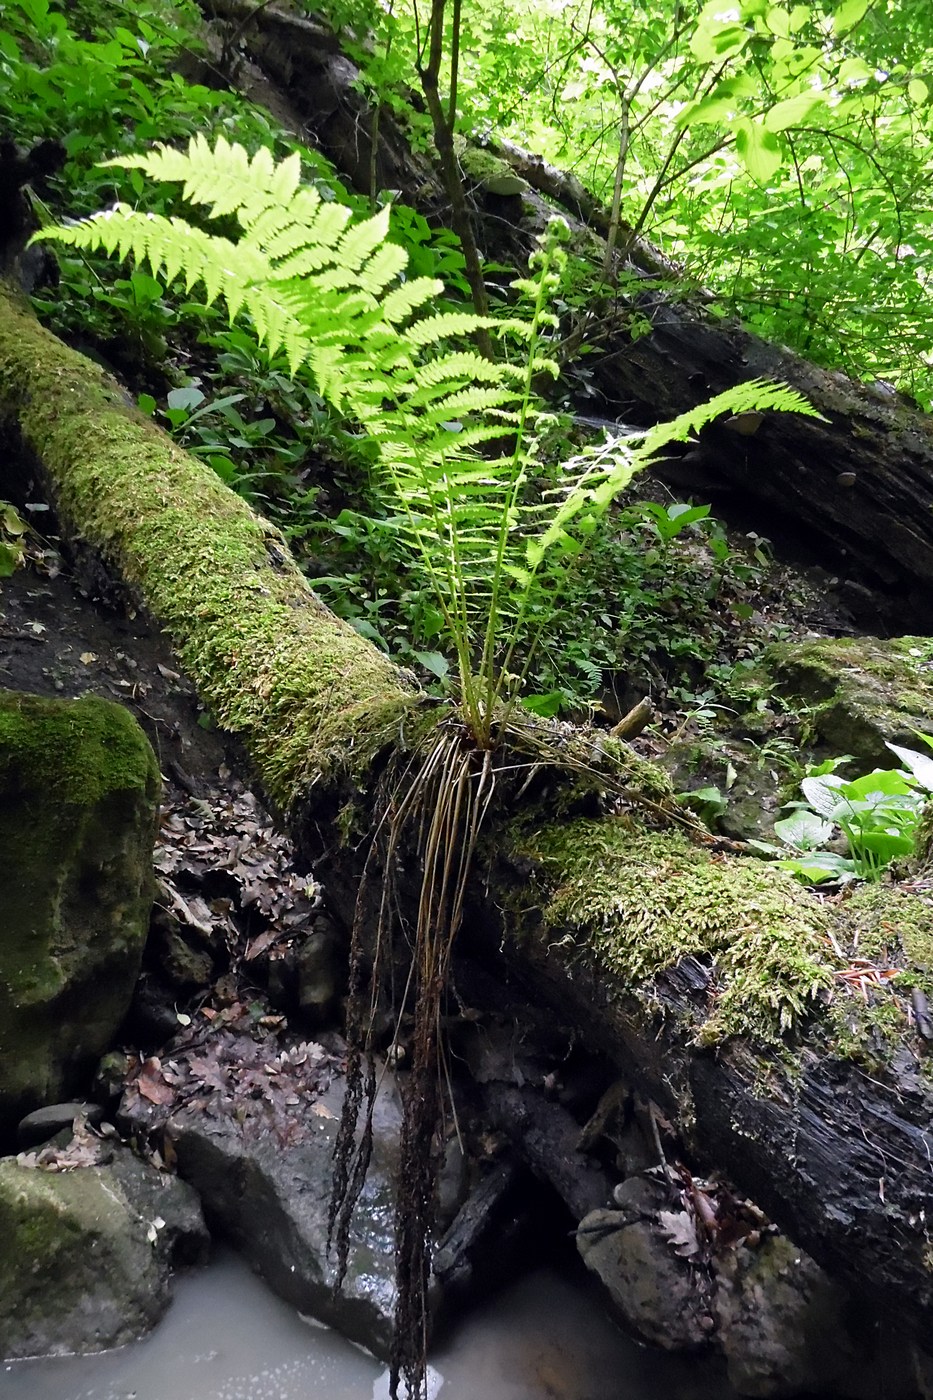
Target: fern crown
457, 434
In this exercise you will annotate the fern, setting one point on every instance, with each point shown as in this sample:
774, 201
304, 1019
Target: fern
330, 293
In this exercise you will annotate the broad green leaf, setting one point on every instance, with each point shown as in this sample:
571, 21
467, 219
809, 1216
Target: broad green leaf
848, 14
759, 149
804, 830
885, 781
822, 793
778, 21
794, 111
434, 662
820, 866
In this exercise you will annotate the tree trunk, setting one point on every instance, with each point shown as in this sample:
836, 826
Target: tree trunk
677, 962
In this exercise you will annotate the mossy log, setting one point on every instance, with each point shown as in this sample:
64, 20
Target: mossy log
304, 692
717, 984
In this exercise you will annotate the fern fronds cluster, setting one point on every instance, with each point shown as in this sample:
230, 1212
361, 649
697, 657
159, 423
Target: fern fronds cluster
456, 433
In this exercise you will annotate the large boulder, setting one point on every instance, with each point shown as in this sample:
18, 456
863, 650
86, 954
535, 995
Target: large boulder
79, 791
252, 1126
88, 1250
859, 692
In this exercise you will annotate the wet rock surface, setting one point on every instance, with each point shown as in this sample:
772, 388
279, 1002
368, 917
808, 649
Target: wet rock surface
783, 1326
252, 1127
664, 1299
79, 788
91, 1235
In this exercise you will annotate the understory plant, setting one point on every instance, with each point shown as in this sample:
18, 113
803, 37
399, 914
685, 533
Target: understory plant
460, 438
877, 816
460, 444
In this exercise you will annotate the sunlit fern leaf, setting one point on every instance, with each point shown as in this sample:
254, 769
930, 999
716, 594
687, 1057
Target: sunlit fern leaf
222, 177
328, 291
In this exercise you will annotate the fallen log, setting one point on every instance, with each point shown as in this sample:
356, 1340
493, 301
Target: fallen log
715, 983
853, 494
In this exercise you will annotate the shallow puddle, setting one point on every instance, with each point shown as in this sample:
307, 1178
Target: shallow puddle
226, 1337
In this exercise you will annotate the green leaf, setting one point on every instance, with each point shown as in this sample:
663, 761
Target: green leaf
820, 866
794, 111
848, 15
11, 522
188, 397
759, 150
547, 706
804, 830
822, 793
434, 662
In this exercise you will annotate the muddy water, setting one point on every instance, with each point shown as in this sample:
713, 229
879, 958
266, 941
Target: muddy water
227, 1338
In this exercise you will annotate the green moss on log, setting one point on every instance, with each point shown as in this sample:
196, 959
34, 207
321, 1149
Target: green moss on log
309, 697
635, 903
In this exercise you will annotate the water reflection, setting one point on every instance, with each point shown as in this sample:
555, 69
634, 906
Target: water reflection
227, 1338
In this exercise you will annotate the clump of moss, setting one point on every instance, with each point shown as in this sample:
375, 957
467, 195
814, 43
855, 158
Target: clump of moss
859, 691
888, 932
75, 752
637, 902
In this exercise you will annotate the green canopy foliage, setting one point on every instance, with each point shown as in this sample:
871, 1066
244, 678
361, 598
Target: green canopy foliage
779, 152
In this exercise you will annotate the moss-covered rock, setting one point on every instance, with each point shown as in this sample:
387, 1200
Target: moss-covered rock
79, 790
87, 1253
860, 691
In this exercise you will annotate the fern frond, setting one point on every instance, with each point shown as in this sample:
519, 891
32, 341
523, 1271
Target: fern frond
328, 291
222, 177
402, 301
756, 395
447, 325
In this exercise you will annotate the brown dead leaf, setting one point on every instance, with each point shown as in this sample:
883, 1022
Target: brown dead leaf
680, 1229
151, 1085
321, 1110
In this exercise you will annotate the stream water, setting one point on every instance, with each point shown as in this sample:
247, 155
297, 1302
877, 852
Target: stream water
226, 1337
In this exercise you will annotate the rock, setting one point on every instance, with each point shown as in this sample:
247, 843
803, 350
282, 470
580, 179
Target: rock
44, 1123
662, 1297
88, 1253
861, 690
79, 788
786, 1328
271, 1199
319, 969
183, 954
493, 174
